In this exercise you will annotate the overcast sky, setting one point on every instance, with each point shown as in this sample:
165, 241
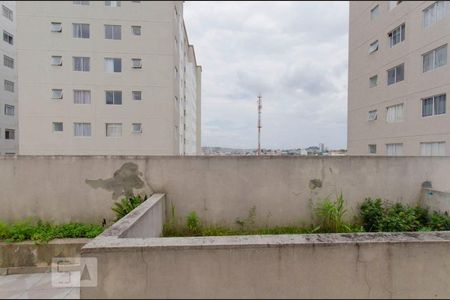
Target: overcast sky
293, 53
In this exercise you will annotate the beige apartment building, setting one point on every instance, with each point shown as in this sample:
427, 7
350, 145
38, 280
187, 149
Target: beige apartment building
399, 78
106, 78
8, 77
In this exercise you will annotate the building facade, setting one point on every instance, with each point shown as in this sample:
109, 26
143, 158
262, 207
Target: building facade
106, 78
8, 75
399, 78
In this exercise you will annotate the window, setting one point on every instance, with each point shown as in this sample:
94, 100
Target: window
82, 129
372, 149
113, 129
136, 30
113, 65
8, 37
136, 63
9, 86
137, 127
397, 35
81, 2
57, 94
9, 110
81, 97
80, 31
373, 81
8, 61
113, 32
435, 12
394, 113
10, 134
396, 74
137, 95
373, 47
58, 127
56, 60
81, 64
435, 105
375, 12
394, 149
435, 59
432, 149
55, 27
393, 4
112, 3
373, 115
113, 97
7, 13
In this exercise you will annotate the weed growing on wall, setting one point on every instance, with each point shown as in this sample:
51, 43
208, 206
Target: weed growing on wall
126, 205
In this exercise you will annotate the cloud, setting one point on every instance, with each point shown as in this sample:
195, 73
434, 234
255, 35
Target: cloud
294, 53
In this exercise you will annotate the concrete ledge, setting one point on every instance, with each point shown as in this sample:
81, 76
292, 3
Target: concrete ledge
367, 265
29, 257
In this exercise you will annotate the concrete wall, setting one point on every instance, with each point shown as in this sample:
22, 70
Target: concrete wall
29, 257
280, 190
289, 266
435, 200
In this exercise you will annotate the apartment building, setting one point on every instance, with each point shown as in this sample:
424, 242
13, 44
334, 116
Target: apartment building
106, 78
8, 76
399, 78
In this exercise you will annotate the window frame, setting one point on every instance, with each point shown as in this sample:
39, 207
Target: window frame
433, 54
114, 65
119, 125
7, 58
401, 29
82, 136
8, 37
112, 30
79, 33
433, 105
396, 74
374, 47
114, 93
9, 13
54, 127
8, 108
83, 60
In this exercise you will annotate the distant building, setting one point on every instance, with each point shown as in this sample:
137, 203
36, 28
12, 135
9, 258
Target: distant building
8, 73
399, 78
106, 78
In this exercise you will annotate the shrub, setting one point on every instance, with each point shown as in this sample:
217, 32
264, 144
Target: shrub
331, 215
126, 205
371, 212
439, 221
44, 231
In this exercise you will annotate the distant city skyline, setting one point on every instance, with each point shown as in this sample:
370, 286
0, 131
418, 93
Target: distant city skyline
293, 53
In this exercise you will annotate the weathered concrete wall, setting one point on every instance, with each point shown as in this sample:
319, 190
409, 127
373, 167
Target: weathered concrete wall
144, 221
414, 265
26, 257
435, 200
221, 189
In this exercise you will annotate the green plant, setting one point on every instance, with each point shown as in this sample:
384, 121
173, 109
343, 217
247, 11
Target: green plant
193, 223
371, 212
439, 221
42, 232
126, 205
331, 215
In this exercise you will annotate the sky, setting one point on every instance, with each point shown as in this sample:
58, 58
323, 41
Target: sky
293, 53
